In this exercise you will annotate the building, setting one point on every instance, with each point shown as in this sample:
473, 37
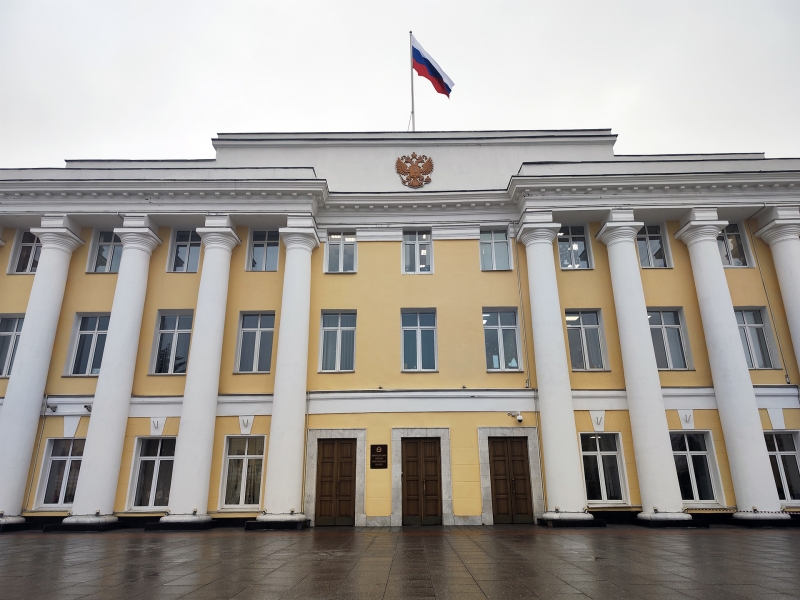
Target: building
401, 328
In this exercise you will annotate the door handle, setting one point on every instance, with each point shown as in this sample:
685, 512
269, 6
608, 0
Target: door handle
424, 487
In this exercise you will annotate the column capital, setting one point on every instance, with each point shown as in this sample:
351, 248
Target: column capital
779, 224
57, 238
301, 238
537, 233
223, 238
700, 231
138, 238
613, 232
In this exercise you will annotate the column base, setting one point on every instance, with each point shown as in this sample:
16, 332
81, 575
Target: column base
278, 521
665, 519
9, 524
11, 520
664, 516
181, 523
89, 519
93, 523
763, 519
570, 519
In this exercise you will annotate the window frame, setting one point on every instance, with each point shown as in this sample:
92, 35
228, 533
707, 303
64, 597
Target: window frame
173, 246
134, 474
249, 254
418, 329
711, 459
664, 234
8, 365
769, 336
748, 254
341, 244
16, 248
795, 438
259, 330
224, 477
499, 329
416, 251
338, 329
589, 253
75, 340
44, 475
687, 352
623, 478
602, 334
157, 336
94, 244
493, 243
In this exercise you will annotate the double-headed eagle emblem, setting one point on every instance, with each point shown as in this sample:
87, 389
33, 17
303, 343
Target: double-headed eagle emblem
415, 171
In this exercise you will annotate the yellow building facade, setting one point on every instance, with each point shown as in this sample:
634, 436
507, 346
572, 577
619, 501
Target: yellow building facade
400, 329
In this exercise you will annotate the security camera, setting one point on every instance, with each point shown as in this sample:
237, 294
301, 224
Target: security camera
519, 417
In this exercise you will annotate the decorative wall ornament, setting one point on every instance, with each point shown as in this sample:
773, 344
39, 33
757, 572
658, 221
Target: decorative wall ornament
415, 171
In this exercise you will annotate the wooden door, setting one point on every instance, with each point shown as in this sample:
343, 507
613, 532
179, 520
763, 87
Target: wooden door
336, 482
511, 480
422, 481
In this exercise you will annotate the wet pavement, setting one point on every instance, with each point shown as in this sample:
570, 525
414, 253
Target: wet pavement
447, 563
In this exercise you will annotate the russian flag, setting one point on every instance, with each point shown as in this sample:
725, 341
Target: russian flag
426, 67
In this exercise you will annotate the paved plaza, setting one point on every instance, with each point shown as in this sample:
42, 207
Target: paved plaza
447, 563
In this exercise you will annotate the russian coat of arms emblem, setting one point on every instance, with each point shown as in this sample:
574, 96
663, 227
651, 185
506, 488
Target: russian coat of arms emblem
415, 170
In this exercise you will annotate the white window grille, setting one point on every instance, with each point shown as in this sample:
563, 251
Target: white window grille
338, 341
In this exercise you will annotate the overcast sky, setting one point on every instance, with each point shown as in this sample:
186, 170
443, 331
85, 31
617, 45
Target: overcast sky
142, 79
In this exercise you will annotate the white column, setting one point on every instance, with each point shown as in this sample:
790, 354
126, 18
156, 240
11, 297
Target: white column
756, 495
780, 229
22, 406
566, 497
102, 456
658, 479
188, 496
284, 484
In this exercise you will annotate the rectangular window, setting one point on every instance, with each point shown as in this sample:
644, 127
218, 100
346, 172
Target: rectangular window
417, 252
90, 345
174, 334
186, 252
500, 338
63, 466
752, 331
783, 458
419, 340
10, 328
651, 247
255, 343
244, 459
601, 467
585, 345
341, 252
264, 250
573, 249
154, 472
30, 248
691, 461
495, 251
665, 329
109, 253
731, 247
338, 342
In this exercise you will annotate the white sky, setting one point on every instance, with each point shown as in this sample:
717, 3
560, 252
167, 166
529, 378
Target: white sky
158, 79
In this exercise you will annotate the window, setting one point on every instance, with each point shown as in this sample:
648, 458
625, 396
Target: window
783, 458
62, 471
601, 467
651, 247
174, 333
731, 247
341, 252
494, 251
419, 341
10, 328
417, 251
691, 461
91, 343
186, 252
338, 341
30, 248
500, 338
264, 250
154, 472
255, 343
573, 251
665, 329
754, 338
109, 253
245, 456
583, 333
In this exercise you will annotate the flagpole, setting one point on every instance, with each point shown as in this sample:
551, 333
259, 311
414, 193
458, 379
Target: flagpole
411, 54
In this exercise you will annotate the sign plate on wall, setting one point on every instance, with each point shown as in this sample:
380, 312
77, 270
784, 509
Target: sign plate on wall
378, 456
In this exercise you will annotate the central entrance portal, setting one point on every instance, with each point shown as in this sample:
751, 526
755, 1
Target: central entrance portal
511, 480
336, 482
422, 481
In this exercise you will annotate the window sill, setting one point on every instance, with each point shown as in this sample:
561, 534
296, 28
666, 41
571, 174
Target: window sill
573, 269
767, 369
614, 504
735, 267
591, 371
15, 273
183, 272
676, 370
505, 371
252, 372
495, 270
713, 504
335, 372
167, 374
419, 370
102, 272
340, 272
71, 376
247, 508
414, 273
146, 510
261, 270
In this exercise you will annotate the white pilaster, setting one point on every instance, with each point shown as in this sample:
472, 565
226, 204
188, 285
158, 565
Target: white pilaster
188, 497
756, 495
284, 483
23, 401
780, 228
97, 483
566, 497
658, 479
